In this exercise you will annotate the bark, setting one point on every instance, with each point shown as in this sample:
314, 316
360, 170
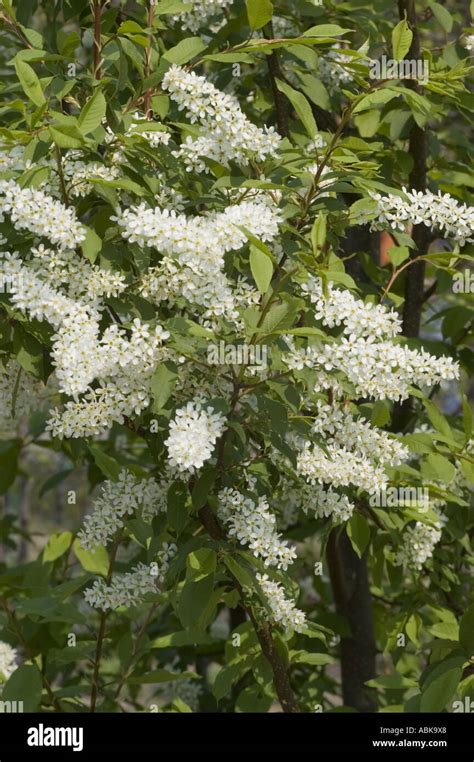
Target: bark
350, 584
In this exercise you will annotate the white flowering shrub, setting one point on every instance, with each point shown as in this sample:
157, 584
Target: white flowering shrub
181, 178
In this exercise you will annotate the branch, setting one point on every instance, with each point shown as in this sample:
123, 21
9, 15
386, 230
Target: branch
151, 15
96, 12
281, 680
274, 70
103, 622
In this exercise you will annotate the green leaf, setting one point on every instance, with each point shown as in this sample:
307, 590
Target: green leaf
96, 561
466, 630
398, 254
437, 418
162, 384
259, 12
359, 533
177, 511
57, 545
93, 113
301, 105
189, 637
394, 681
440, 686
378, 98
307, 657
262, 269
318, 233
442, 15
438, 467
9, 452
185, 50
24, 685
161, 676
401, 40
326, 30
105, 463
241, 574
467, 417
66, 135
91, 245
30, 82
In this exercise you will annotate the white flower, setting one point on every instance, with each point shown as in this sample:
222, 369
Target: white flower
8, 656
469, 42
118, 500
33, 210
130, 588
254, 525
198, 13
440, 212
418, 545
19, 394
227, 133
193, 434
283, 609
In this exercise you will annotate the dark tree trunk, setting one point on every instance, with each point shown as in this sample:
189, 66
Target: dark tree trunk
350, 584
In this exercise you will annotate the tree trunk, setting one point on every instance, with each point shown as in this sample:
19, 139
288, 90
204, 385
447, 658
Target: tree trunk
350, 584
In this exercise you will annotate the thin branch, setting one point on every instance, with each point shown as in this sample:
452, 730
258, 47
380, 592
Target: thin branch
103, 622
151, 15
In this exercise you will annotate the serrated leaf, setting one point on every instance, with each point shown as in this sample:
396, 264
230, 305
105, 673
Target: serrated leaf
259, 12
262, 269
30, 82
359, 533
93, 113
301, 105
96, 561
185, 50
402, 37
56, 546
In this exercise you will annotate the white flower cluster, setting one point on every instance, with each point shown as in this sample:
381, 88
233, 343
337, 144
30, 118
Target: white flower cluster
80, 279
357, 435
198, 13
253, 524
129, 589
155, 138
440, 212
193, 434
325, 503
469, 42
283, 609
33, 210
366, 352
332, 72
194, 249
79, 174
8, 656
117, 501
336, 307
19, 394
418, 545
339, 467
228, 134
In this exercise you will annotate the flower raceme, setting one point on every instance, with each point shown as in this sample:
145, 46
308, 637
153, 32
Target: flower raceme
193, 434
227, 133
439, 212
